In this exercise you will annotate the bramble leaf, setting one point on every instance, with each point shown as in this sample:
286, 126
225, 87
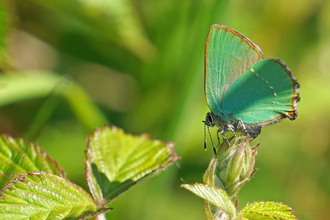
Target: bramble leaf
214, 196
18, 156
116, 161
267, 210
42, 196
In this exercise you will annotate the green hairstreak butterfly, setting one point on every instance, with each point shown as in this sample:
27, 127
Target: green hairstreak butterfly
244, 91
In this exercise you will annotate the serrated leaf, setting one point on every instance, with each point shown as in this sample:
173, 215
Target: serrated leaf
42, 196
214, 196
116, 161
18, 156
267, 210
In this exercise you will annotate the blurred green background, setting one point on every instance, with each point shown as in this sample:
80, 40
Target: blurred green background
69, 66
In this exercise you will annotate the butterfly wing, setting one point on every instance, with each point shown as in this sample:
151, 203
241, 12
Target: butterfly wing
263, 94
228, 54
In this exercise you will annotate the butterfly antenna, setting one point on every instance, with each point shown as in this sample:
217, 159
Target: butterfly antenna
205, 136
214, 149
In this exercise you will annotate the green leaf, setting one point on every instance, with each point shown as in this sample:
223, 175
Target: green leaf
116, 161
18, 156
214, 196
45, 196
18, 86
115, 20
267, 210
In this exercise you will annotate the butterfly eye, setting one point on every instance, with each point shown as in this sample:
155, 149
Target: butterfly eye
209, 121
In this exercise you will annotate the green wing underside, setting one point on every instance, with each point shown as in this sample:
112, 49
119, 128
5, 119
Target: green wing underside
228, 54
262, 93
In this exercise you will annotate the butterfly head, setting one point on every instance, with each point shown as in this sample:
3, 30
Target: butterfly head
210, 119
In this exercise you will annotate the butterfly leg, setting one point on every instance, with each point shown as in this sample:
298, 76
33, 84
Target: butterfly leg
223, 135
222, 132
241, 126
232, 129
249, 130
219, 131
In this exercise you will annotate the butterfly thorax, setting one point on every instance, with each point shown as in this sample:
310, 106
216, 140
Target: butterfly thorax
230, 123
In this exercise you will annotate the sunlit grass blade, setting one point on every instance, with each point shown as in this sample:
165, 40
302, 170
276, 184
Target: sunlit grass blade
21, 86
5, 25
45, 196
215, 196
116, 161
267, 210
18, 156
115, 20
